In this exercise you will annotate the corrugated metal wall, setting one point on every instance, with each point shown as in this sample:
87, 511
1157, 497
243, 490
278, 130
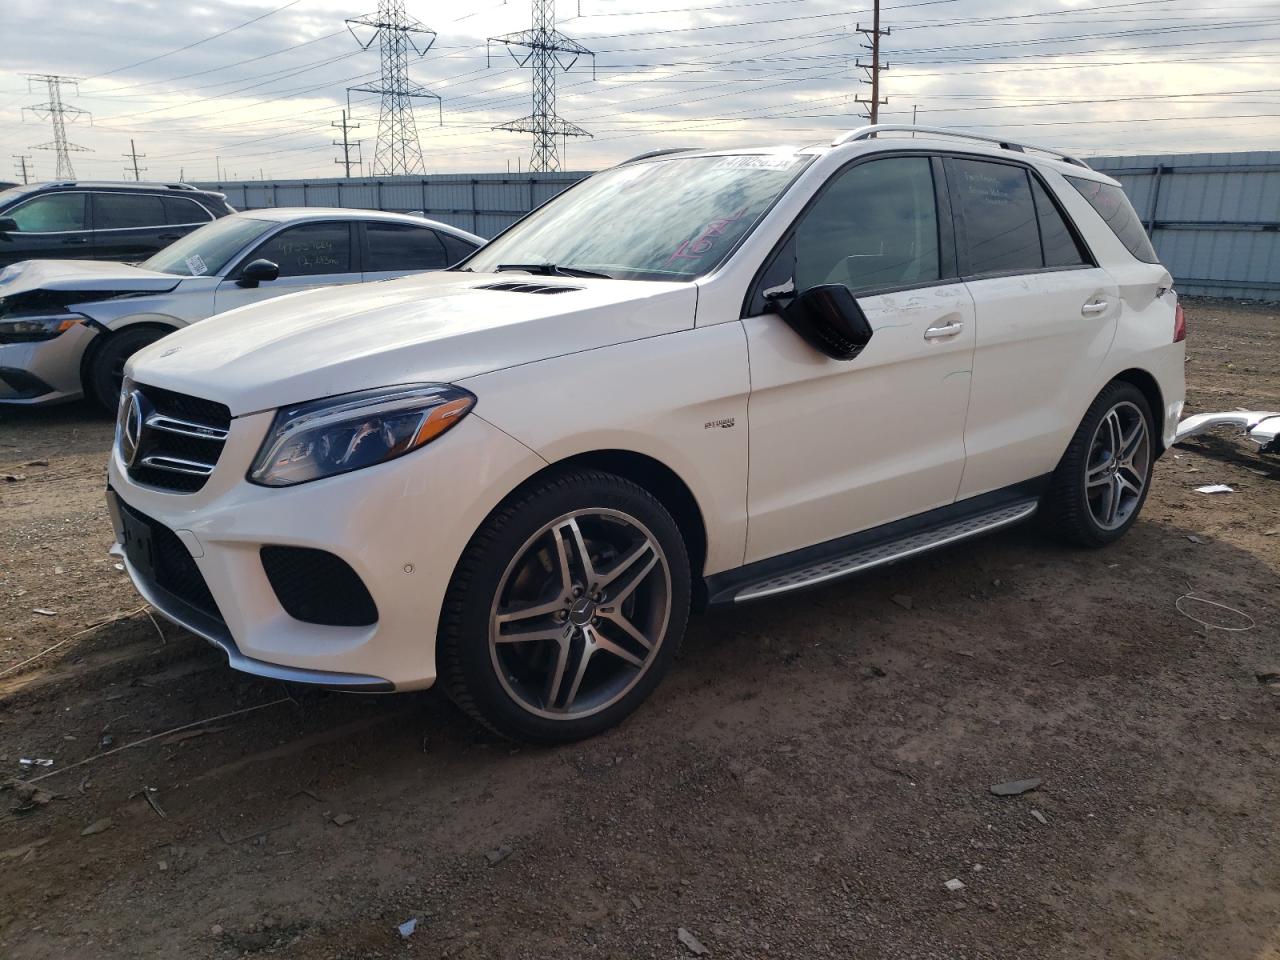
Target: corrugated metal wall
484, 203
1214, 217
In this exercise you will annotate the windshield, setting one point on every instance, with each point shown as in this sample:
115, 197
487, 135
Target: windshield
670, 219
206, 251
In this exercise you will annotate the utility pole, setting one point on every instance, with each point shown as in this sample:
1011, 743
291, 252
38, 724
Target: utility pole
873, 68
398, 150
21, 167
347, 144
58, 112
548, 50
135, 156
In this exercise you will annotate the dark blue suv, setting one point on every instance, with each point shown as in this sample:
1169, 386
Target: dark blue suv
100, 221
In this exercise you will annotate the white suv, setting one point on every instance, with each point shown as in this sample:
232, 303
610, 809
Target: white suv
697, 378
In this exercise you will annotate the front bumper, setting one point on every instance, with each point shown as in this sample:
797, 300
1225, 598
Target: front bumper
401, 526
48, 371
1262, 427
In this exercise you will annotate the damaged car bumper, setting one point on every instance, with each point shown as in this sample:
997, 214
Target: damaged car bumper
1262, 427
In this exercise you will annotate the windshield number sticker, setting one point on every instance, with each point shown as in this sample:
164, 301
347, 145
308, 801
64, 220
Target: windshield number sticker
705, 241
196, 264
756, 162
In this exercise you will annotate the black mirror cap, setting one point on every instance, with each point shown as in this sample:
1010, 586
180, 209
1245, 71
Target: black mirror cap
830, 320
8, 225
258, 271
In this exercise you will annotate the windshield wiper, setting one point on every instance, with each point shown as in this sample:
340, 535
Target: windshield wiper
551, 270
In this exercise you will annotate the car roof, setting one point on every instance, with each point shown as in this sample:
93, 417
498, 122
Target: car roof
303, 214
148, 186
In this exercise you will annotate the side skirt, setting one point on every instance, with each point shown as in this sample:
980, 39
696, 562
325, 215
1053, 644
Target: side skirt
877, 547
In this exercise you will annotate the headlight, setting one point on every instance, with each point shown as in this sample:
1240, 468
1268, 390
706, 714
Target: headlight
340, 434
32, 329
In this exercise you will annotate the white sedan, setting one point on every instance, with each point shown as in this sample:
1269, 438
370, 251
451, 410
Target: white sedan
68, 326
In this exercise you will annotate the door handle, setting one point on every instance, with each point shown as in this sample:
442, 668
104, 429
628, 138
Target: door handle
949, 329
1093, 308
169, 236
70, 240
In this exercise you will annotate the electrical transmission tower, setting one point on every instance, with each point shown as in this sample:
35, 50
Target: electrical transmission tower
135, 156
21, 166
347, 145
873, 68
58, 112
547, 50
398, 150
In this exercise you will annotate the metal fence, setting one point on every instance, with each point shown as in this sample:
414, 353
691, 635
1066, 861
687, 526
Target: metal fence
1214, 218
484, 203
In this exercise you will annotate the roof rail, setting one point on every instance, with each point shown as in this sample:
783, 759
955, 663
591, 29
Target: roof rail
869, 132
656, 153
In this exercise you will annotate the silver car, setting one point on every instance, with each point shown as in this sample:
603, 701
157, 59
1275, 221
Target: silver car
68, 326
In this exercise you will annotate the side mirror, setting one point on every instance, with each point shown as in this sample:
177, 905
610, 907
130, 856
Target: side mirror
8, 225
258, 271
829, 319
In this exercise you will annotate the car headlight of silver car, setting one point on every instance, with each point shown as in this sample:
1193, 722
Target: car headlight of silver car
35, 329
336, 435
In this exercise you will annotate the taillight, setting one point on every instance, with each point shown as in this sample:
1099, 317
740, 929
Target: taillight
1179, 325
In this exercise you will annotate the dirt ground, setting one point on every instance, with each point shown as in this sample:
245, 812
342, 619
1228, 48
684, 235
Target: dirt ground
804, 784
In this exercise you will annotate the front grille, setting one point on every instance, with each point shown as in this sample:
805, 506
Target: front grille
315, 586
172, 567
180, 439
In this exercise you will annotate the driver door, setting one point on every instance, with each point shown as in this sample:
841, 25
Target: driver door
309, 255
837, 447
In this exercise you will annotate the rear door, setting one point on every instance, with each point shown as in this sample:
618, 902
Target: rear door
313, 254
128, 226
181, 216
395, 249
52, 226
1046, 316
837, 446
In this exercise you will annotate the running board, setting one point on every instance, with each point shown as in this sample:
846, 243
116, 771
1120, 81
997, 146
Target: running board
889, 551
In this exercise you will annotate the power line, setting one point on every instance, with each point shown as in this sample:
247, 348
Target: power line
346, 144
876, 65
398, 150
22, 167
545, 45
57, 112
135, 156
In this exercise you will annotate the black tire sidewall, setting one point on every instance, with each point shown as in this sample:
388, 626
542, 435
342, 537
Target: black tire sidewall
1115, 393
121, 345
464, 655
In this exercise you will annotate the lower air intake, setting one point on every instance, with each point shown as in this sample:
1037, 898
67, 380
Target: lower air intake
315, 586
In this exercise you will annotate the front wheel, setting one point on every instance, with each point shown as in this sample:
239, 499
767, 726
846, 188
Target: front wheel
106, 370
1101, 483
566, 608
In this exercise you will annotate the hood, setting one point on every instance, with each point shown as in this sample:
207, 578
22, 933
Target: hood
435, 327
80, 277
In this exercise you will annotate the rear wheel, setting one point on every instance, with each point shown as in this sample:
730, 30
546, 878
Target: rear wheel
106, 370
1100, 485
566, 609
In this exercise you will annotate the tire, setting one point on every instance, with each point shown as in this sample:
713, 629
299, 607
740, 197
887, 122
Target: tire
1094, 497
585, 666
106, 369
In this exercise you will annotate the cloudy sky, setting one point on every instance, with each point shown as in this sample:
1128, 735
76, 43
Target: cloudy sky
199, 87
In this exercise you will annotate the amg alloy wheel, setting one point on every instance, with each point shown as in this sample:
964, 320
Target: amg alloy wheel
1103, 478
566, 609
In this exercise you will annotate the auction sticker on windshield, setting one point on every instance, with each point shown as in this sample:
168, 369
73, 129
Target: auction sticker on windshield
196, 264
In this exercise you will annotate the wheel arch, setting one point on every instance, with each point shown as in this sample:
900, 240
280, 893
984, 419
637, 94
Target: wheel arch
1150, 389
107, 332
660, 480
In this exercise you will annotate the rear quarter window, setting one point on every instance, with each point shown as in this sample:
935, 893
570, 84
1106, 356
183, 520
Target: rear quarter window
1114, 208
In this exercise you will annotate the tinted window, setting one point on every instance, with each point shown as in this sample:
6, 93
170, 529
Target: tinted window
118, 211
50, 213
1061, 249
309, 250
1114, 207
876, 225
179, 210
994, 203
399, 246
455, 248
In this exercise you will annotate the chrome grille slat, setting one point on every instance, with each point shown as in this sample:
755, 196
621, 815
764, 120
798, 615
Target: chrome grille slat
188, 428
178, 465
